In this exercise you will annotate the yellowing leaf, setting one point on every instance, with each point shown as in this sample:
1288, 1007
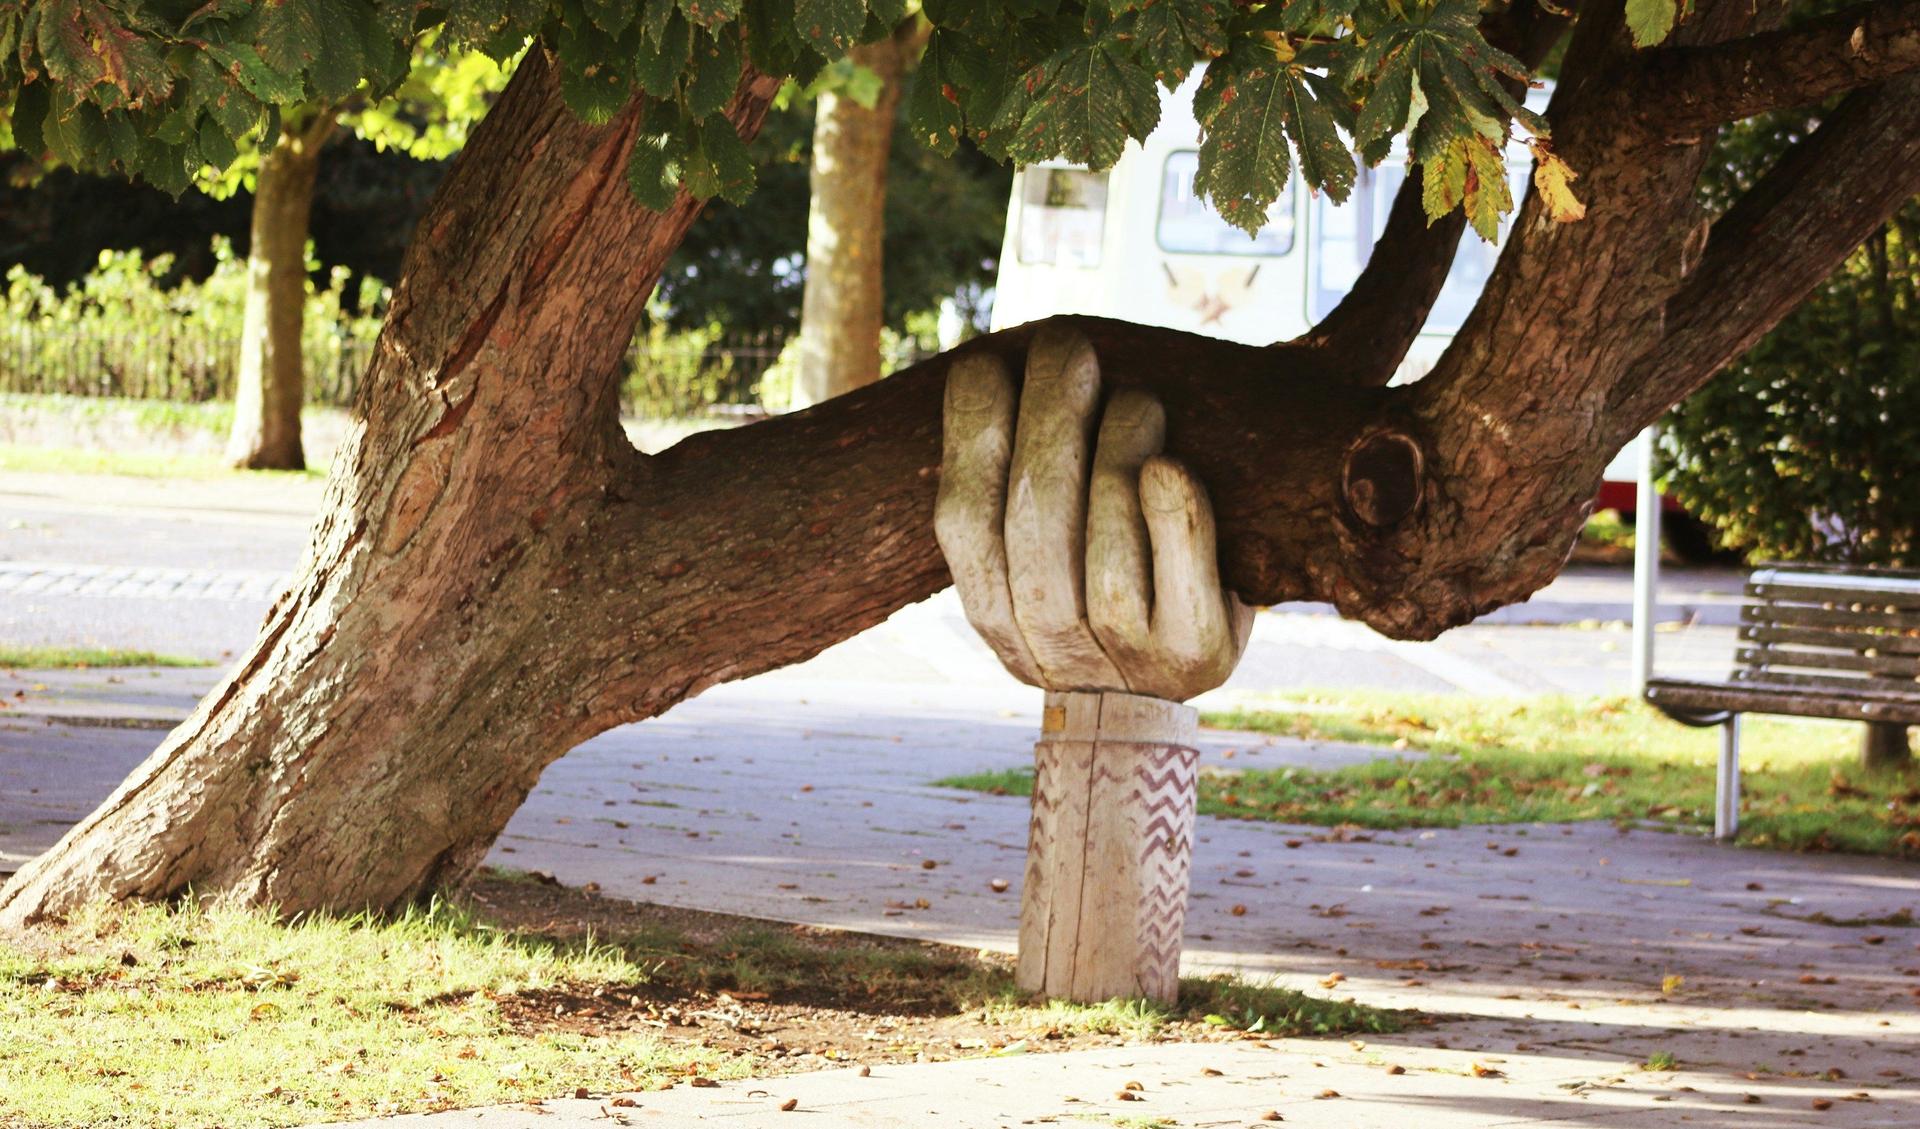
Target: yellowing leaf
1554, 178
1282, 46
1488, 195
1444, 182
1650, 21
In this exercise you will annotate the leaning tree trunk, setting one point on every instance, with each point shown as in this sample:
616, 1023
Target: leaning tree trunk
499, 575
447, 634
272, 384
843, 306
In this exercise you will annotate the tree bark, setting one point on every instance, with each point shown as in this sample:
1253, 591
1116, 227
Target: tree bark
843, 305
499, 576
272, 384
1797, 66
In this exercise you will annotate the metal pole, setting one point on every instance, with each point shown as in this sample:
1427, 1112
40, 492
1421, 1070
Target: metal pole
1646, 561
1726, 782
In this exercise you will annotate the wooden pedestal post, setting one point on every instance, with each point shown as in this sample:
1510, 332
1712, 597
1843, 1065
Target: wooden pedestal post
1109, 849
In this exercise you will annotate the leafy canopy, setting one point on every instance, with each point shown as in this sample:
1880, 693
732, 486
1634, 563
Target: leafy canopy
427, 116
163, 89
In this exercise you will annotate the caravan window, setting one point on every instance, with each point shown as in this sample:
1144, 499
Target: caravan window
1189, 225
1063, 216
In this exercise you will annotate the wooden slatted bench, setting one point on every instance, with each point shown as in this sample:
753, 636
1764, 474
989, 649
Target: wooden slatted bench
1814, 641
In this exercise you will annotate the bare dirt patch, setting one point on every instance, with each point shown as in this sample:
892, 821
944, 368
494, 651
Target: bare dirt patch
795, 997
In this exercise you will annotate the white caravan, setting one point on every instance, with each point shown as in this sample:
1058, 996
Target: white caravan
1136, 243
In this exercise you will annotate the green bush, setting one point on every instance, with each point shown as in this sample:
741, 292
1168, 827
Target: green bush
1801, 449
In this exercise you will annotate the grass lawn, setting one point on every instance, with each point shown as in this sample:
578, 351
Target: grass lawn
80, 658
155, 1016
171, 1017
1553, 759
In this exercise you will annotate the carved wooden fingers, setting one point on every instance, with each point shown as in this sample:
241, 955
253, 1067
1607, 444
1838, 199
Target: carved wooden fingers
1083, 556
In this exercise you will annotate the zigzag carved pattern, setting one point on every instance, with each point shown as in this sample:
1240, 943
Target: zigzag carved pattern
1159, 831
1155, 778
1161, 924
1165, 782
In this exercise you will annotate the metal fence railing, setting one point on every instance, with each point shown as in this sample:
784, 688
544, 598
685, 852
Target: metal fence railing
186, 362
669, 374
680, 375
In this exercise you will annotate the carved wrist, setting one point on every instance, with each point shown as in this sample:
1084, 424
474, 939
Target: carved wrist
1103, 716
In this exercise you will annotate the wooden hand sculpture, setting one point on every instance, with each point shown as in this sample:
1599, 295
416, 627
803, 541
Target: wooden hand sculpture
1089, 567
1082, 573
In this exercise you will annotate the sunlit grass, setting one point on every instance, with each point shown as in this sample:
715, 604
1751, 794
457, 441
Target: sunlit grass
80, 658
1468, 760
178, 1017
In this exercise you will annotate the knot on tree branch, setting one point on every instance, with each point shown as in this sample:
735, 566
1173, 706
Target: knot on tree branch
1383, 480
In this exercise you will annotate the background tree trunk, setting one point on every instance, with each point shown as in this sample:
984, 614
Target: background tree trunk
272, 385
843, 306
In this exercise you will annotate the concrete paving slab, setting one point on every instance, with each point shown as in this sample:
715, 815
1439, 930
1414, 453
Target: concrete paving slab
1315, 1085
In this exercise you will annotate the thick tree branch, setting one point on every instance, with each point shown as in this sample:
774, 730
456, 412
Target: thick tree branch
1364, 337
1795, 227
1722, 82
1362, 341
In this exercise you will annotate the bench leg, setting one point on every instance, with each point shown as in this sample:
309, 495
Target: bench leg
1726, 782
1885, 747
